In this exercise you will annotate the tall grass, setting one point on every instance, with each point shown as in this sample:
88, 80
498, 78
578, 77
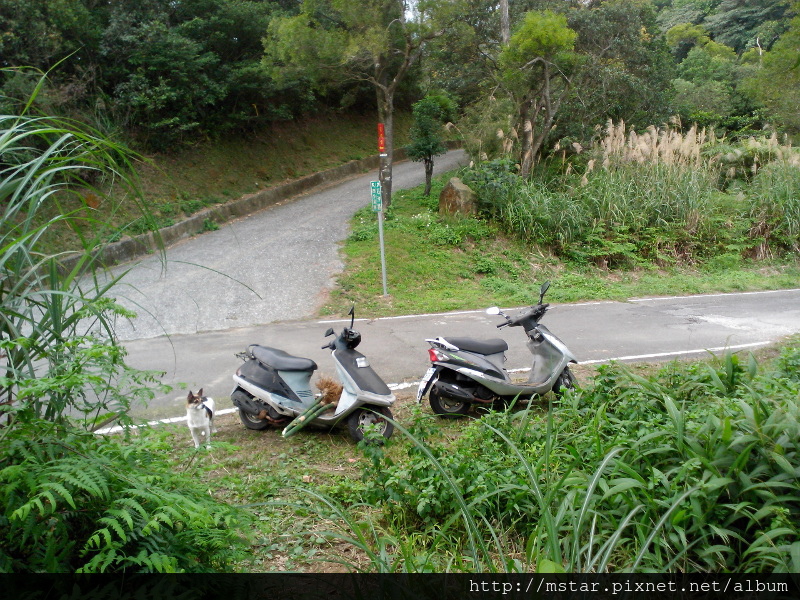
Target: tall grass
72, 501
775, 208
658, 196
694, 469
57, 319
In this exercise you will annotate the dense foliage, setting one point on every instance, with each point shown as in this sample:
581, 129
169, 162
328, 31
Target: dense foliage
691, 469
661, 197
170, 72
77, 502
166, 72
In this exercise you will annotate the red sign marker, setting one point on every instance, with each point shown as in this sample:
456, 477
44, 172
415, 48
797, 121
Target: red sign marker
381, 139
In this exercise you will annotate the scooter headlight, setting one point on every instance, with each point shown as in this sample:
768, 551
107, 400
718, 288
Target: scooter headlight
352, 338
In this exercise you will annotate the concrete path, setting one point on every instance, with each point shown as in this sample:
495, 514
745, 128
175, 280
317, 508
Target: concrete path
639, 329
275, 265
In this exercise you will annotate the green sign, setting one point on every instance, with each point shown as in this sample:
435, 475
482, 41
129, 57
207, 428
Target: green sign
375, 188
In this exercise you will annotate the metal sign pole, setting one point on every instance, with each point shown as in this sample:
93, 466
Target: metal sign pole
383, 252
377, 206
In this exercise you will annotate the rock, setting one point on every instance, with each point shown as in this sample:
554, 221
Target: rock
457, 199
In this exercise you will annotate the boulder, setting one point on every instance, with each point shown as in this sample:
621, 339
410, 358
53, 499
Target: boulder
457, 199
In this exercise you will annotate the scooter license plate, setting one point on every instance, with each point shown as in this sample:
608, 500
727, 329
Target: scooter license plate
424, 383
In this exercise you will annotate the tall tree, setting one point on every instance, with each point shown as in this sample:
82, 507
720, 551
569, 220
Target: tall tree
535, 68
374, 41
625, 71
777, 83
427, 140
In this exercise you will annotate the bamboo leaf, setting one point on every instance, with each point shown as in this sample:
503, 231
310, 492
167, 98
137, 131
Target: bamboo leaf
622, 485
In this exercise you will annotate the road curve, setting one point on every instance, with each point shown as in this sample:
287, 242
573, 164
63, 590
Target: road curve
271, 266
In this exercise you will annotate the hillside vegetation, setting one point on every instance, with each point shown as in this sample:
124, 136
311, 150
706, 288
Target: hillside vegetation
685, 467
176, 185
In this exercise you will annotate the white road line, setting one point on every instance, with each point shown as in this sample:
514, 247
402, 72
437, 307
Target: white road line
117, 428
409, 384
656, 298
649, 299
455, 313
666, 354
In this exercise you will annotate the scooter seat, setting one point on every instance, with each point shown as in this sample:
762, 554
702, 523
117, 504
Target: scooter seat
280, 360
492, 346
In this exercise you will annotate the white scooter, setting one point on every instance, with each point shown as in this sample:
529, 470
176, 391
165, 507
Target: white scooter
466, 372
273, 388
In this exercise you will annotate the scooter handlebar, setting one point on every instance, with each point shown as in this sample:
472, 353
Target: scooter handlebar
535, 312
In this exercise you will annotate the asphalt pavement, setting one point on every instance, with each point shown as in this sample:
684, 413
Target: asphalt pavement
274, 265
644, 329
261, 279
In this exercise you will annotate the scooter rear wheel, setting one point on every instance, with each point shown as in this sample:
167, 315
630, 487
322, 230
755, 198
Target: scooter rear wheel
445, 407
251, 421
374, 416
565, 381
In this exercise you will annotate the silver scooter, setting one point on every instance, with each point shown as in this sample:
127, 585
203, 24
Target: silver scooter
467, 372
273, 388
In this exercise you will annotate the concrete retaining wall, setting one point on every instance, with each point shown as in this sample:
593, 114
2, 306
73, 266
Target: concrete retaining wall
129, 248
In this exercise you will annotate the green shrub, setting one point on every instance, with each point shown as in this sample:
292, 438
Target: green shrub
76, 502
775, 206
661, 197
692, 469
494, 182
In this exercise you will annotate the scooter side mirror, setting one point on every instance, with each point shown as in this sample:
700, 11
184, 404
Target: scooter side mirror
329, 332
492, 310
543, 290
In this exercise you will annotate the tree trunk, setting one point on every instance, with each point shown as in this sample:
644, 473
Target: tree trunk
526, 137
546, 106
386, 116
505, 27
428, 175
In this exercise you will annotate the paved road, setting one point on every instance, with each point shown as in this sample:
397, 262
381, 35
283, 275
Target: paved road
259, 279
274, 265
643, 329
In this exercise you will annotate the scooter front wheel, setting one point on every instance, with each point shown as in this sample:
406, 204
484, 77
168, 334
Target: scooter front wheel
364, 417
252, 421
565, 381
446, 407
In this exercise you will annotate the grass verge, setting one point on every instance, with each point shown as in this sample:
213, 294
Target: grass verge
437, 264
656, 437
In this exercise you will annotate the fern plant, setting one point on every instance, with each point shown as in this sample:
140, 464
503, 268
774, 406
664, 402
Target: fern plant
73, 502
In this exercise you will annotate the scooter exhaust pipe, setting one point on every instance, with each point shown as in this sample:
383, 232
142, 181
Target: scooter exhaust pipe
255, 408
454, 392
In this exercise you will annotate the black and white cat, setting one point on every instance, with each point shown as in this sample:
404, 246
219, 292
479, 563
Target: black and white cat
200, 417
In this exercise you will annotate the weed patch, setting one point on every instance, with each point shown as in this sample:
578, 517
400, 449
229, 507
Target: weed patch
680, 467
437, 264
